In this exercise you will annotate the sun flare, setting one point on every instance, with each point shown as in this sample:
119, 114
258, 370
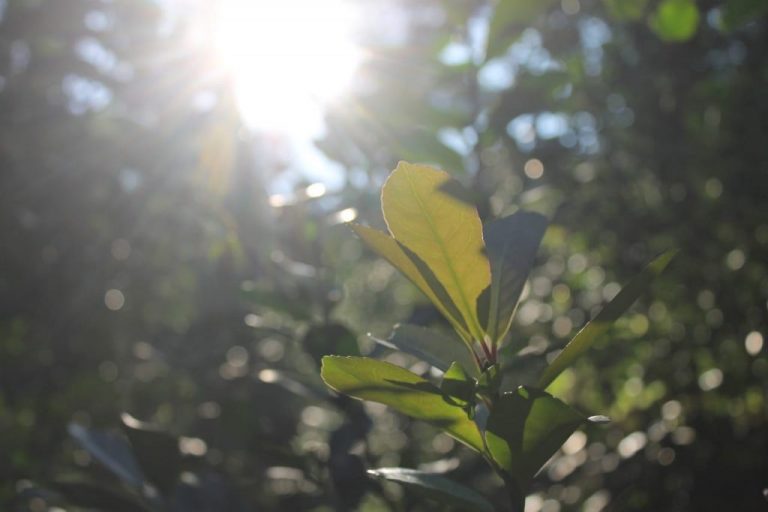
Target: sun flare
287, 58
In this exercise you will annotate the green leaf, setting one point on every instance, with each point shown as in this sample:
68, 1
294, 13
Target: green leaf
525, 428
322, 340
424, 211
377, 381
511, 244
417, 272
156, 450
489, 381
587, 336
436, 487
626, 10
435, 347
675, 20
509, 20
458, 385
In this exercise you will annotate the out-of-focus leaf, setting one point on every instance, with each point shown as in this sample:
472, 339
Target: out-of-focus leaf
737, 12
156, 450
675, 20
511, 244
510, 18
377, 381
424, 146
436, 487
277, 301
111, 450
520, 368
417, 272
323, 340
526, 427
294, 383
207, 492
626, 10
432, 346
424, 212
587, 336
83, 493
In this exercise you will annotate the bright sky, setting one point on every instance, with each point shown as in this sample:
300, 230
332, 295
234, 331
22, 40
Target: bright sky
288, 59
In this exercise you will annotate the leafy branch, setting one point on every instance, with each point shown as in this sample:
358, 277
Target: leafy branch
474, 276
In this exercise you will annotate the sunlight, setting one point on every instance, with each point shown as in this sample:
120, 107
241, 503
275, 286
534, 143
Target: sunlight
287, 58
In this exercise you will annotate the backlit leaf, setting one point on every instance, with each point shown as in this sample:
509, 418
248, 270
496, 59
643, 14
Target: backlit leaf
587, 336
377, 381
389, 249
424, 212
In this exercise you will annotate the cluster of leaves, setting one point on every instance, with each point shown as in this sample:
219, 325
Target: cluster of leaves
474, 276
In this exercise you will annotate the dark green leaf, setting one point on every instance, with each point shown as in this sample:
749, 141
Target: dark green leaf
739, 12
111, 450
511, 245
377, 381
437, 348
336, 339
525, 428
156, 450
83, 493
675, 20
489, 380
458, 385
436, 487
585, 338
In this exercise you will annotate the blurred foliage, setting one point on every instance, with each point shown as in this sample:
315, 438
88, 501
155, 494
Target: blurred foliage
145, 270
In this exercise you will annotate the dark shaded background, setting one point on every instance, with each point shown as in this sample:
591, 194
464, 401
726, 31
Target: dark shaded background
142, 268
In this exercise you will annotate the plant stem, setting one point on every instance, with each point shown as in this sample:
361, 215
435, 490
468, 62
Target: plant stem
516, 495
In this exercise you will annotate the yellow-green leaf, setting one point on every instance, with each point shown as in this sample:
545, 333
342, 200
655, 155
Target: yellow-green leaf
389, 249
377, 381
424, 211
